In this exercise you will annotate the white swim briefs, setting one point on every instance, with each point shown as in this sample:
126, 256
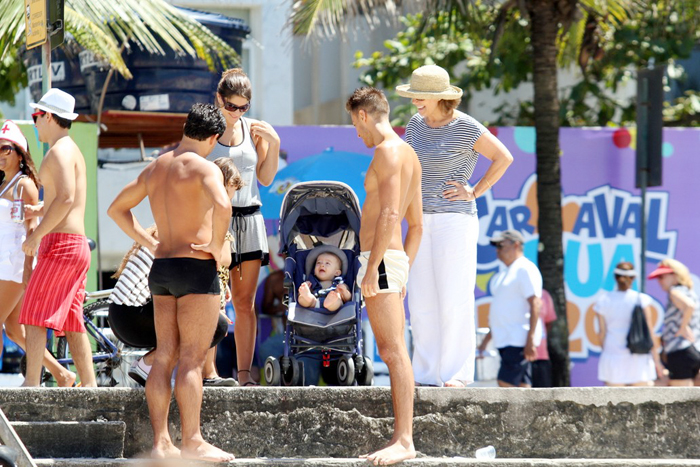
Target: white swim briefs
393, 270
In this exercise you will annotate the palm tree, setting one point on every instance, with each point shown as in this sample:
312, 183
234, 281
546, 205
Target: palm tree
105, 27
549, 22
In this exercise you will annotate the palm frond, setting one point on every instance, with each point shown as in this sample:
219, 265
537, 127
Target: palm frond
617, 9
101, 26
93, 38
11, 26
572, 39
327, 17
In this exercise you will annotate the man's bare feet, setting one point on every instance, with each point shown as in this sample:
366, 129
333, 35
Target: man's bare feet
66, 379
165, 450
206, 452
306, 298
333, 301
394, 452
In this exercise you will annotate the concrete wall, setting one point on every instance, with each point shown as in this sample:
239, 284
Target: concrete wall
604, 423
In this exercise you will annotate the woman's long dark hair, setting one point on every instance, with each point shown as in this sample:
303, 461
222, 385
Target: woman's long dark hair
26, 166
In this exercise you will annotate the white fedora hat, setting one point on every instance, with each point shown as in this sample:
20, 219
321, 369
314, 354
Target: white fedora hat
57, 102
429, 82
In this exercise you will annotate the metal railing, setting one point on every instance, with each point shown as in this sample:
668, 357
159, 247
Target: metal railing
9, 437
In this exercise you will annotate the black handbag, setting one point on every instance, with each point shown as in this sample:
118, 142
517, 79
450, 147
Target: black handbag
639, 339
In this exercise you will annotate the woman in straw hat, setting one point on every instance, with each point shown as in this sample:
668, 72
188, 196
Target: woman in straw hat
18, 180
443, 276
681, 331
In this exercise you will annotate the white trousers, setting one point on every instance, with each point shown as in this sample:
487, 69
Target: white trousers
441, 299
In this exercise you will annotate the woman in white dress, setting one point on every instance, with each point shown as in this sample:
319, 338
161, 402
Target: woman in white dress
617, 365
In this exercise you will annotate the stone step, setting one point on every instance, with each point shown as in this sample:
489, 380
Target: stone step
588, 423
101, 439
339, 462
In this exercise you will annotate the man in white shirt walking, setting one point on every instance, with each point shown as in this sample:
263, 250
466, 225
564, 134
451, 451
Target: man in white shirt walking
515, 310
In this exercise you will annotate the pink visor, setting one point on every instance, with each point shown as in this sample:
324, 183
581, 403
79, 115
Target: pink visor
660, 271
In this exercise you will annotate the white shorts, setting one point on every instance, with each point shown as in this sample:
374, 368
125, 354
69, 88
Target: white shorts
393, 270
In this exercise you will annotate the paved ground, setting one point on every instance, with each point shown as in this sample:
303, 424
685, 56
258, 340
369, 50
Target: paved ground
11, 380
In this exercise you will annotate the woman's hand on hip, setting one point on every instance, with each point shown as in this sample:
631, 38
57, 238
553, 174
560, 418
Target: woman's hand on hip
459, 192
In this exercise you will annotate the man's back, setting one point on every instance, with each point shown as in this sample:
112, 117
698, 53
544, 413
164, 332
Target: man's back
395, 159
63, 173
181, 209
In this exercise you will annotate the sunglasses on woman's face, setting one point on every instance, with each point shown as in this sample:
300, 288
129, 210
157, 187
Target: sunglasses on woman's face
6, 149
233, 107
37, 114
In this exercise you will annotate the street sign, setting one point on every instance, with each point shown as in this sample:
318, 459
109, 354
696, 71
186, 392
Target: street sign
56, 24
35, 22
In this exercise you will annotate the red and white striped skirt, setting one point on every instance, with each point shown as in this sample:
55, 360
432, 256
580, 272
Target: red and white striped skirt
56, 290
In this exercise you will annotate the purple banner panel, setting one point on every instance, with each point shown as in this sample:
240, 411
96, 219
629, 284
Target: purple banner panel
601, 211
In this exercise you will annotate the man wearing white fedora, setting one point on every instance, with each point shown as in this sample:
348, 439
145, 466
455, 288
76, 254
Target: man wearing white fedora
54, 296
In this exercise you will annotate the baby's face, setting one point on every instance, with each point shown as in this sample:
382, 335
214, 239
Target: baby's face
327, 267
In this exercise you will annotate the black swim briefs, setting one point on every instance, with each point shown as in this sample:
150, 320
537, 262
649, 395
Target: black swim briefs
183, 276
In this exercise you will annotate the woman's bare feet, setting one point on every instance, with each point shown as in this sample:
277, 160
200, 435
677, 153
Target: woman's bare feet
66, 379
204, 451
165, 450
333, 301
306, 298
455, 383
394, 452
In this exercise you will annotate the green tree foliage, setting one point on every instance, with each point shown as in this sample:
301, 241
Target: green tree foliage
606, 52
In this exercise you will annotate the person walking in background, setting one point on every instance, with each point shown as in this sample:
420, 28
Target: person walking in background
56, 290
18, 180
183, 280
254, 147
441, 302
514, 317
617, 365
681, 331
542, 367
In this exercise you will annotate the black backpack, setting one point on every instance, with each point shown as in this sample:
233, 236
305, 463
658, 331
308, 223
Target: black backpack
639, 339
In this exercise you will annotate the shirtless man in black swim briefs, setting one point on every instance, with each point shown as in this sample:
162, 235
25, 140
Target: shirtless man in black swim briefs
192, 211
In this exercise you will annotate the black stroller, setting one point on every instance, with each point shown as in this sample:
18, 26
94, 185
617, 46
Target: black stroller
313, 216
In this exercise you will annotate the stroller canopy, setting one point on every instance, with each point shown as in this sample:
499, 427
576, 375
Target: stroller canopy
319, 209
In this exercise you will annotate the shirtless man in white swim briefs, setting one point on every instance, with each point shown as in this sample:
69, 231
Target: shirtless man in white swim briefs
393, 185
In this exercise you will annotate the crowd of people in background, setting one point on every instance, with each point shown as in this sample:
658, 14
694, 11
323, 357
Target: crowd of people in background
185, 268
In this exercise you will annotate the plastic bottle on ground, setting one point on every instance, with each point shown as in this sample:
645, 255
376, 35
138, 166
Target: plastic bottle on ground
489, 452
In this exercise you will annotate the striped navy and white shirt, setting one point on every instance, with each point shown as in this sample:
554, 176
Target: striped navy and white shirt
132, 286
445, 153
673, 317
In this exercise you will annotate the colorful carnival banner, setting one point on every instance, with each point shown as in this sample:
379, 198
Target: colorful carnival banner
601, 211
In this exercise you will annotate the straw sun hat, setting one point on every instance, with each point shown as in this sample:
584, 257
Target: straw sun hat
429, 82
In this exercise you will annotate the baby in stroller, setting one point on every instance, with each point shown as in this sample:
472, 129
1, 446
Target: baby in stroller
319, 237
325, 289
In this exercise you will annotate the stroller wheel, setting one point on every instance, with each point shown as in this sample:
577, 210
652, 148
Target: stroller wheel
346, 371
273, 372
294, 374
366, 376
